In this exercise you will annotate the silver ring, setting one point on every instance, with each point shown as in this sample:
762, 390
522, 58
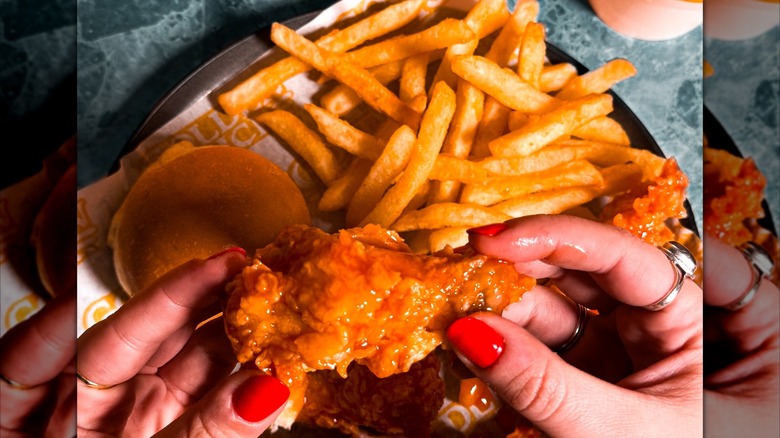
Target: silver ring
90, 383
684, 265
15, 385
582, 318
761, 264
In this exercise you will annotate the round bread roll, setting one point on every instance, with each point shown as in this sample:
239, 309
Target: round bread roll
200, 201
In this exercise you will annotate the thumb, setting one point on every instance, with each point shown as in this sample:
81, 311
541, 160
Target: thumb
555, 396
243, 405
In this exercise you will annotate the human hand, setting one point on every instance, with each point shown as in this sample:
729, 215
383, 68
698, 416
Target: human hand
164, 375
39, 398
633, 372
742, 366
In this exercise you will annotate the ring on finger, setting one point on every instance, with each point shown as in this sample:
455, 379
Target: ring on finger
14, 384
761, 265
91, 384
684, 266
582, 319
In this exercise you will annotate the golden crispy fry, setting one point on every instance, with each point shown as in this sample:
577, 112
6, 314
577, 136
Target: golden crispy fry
497, 189
361, 81
554, 77
518, 119
503, 47
338, 195
448, 214
547, 202
484, 18
413, 74
503, 84
551, 126
305, 142
340, 133
455, 237
260, 86
597, 81
386, 168
419, 198
532, 53
451, 168
433, 129
492, 126
603, 129
446, 33
546, 158
605, 154
620, 178
342, 99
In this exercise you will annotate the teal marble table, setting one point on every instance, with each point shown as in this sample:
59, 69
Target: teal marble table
130, 55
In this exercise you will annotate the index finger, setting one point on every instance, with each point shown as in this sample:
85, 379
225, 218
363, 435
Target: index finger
117, 348
628, 269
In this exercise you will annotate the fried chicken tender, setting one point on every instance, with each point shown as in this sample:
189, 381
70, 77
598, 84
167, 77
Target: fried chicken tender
362, 405
644, 211
315, 301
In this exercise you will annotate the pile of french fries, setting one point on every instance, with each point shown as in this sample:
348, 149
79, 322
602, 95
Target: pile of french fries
469, 122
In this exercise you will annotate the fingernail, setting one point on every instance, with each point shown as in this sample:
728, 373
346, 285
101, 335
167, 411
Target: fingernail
231, 249
488, 230
259, 397
476, 340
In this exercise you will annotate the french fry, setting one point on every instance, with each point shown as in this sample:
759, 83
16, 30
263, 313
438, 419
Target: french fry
532, 52
546, 158
447, 214
455, 237
451, 168
433, 129
620, 178
516, 120
446, 33
338, 195
497, 189
342, 99
492, 126
551, 126
597, 81
503, 47
603, 129
554, 77
340, 133
303, 141
419, 198
361, 81
260, 86
385, 169
604, 154
413, 76
503, 84
553, 201
484, 18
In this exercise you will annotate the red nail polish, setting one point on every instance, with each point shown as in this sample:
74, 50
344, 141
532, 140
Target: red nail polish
225, 251
488, 230
476, 340
259, 397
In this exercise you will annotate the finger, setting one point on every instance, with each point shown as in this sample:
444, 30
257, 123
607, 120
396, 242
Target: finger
727, 274
22, 410
115, 349
625, 267
207, 358
36, 350
556, 397
548, 315
243, 405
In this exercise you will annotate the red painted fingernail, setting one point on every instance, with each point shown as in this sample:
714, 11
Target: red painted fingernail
488, 230
476, 340
231, 249
259, 397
